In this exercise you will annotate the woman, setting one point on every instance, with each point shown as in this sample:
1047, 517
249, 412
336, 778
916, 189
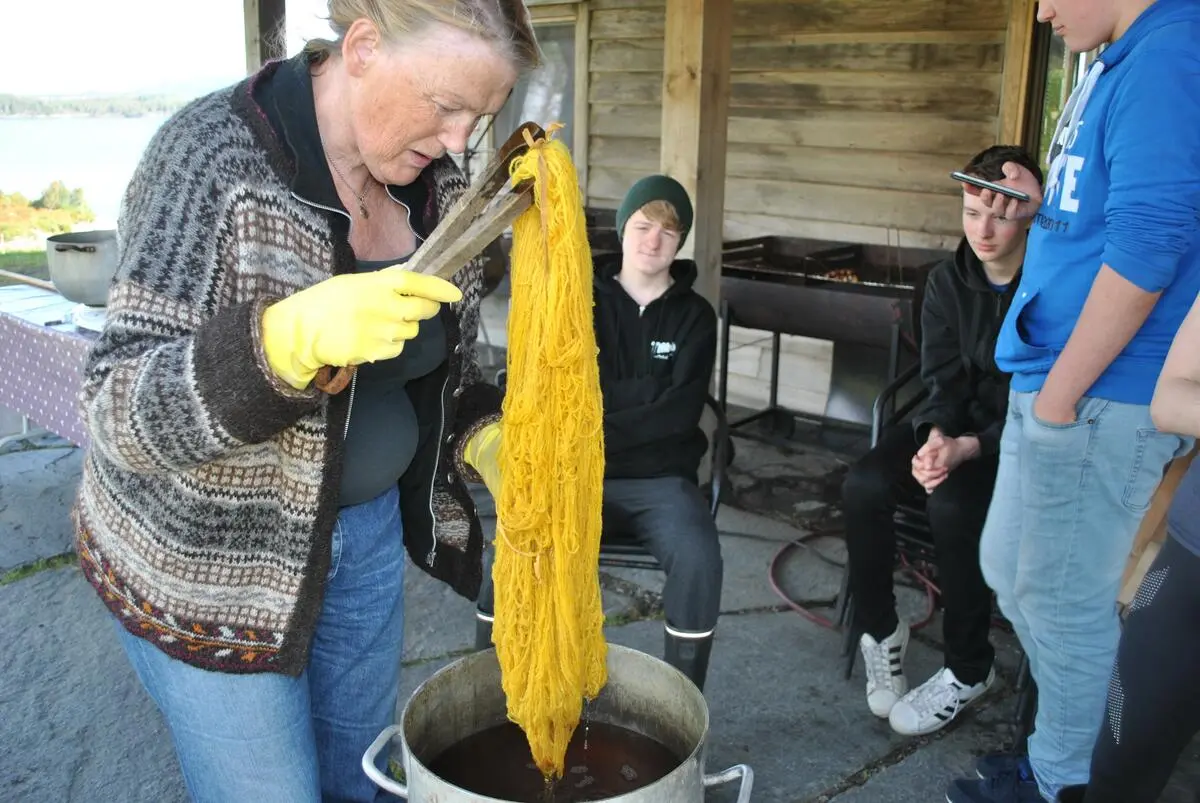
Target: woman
246, 529
1153, 712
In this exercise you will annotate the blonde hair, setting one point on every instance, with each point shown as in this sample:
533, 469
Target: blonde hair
504, 24
663, 213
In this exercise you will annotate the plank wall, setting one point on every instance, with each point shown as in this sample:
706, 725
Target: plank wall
845, 115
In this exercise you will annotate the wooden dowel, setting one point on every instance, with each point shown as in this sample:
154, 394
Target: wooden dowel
29, 280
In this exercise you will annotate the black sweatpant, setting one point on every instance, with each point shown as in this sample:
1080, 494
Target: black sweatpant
1153, 708
670, 518
957, 510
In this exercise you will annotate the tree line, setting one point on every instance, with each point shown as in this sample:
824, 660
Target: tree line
121, 106
57, 210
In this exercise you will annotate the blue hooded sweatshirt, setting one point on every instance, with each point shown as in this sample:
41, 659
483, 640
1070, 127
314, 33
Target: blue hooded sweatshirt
1123, 190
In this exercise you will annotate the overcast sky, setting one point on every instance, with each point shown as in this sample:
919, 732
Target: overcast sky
55, 47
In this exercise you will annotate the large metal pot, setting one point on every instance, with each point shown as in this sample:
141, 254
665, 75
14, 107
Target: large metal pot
82, 265
643, 694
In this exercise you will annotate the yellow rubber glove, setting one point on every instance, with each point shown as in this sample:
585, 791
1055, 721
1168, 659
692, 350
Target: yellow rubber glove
348, 320
482, 453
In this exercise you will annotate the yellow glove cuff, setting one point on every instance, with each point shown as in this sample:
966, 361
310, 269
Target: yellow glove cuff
279, 347
482, 453
484, 446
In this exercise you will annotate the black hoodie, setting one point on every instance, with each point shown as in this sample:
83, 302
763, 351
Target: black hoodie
655, 367
960, 318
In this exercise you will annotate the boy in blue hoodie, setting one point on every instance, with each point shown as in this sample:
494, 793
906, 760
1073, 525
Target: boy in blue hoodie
1112, 267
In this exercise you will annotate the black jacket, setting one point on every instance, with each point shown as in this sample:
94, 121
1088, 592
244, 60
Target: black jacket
960, 319
655, 367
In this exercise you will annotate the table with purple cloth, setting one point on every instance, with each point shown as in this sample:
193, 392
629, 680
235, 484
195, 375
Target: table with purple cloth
42, 354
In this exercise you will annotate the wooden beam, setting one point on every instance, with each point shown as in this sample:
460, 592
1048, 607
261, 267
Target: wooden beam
934, 212
1018, 50
695, 98
579, 148
941, 51
550, 13
643, 19
876, 170
266, 27
948, 93
879, 131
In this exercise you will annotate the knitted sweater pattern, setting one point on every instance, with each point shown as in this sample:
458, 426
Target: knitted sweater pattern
209, 491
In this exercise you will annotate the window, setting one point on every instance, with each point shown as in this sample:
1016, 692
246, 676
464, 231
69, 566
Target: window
548, 94
1056, 72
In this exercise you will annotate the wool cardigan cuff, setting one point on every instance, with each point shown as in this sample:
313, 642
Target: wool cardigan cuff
237, 385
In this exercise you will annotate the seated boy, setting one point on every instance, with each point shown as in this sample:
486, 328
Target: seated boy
950, 453
657, 340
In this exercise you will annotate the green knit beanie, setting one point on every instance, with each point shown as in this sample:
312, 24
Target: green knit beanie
656, 188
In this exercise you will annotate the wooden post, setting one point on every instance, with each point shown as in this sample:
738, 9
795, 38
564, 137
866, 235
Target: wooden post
583, 65
697, 52
1018, 42
266, 26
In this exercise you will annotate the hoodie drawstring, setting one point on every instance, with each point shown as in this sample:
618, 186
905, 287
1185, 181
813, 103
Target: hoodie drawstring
1068, 124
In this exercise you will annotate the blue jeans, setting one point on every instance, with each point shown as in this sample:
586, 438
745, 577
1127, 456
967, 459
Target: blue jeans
274, 738
1067, 503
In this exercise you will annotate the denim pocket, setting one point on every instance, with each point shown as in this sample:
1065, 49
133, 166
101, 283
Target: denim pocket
1086, 412
335, 550
1146, 468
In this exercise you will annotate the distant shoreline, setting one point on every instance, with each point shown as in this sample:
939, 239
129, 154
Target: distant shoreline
87, 115
119, 106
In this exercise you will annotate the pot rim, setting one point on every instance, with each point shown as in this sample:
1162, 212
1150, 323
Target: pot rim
696, 753
89, 237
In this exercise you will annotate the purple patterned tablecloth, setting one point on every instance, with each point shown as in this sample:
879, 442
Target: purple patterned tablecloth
42, 359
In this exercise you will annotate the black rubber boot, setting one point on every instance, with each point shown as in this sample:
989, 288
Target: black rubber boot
483, 631
1071, 794
689, 653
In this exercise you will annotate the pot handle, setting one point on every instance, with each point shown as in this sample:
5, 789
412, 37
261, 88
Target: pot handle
742, 771
87, 249
368, 763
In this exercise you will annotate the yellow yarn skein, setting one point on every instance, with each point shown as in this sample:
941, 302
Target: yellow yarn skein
549, 618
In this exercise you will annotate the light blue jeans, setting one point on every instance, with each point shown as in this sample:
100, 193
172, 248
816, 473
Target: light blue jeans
1067, 503
271, 738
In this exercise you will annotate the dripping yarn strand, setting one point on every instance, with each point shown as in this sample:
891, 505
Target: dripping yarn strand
549, 617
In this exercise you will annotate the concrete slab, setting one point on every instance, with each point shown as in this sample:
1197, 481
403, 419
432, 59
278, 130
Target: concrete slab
778, 703
795, 482
78, 727
437, 621
922, 775
37, 489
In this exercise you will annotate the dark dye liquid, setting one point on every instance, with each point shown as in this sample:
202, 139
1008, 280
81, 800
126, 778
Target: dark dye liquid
497, 763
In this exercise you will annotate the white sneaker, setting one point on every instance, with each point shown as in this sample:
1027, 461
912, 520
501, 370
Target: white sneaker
932, 705
884, 661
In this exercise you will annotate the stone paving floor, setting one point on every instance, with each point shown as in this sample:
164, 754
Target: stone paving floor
75, 726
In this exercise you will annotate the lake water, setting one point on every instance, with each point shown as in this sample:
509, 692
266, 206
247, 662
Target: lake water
97, 154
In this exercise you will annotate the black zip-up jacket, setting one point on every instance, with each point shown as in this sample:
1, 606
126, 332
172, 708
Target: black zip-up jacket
655, 367
960, 320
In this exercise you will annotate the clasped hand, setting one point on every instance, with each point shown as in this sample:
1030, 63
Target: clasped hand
939, 456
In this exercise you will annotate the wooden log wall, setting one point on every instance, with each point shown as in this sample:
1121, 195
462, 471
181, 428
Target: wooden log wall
845, 115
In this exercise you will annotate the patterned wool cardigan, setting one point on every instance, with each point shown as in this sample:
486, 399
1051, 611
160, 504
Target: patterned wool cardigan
210, 487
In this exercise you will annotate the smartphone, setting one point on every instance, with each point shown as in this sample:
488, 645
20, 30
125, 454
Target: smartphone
989, 185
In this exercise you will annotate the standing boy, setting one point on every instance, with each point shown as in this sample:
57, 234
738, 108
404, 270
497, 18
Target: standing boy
1112, 269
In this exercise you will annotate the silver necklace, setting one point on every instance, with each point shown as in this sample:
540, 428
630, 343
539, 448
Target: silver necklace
360, 197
